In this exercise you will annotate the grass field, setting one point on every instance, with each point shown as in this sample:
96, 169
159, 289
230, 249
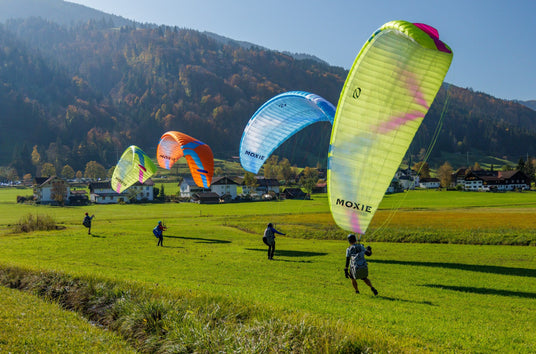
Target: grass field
443, 295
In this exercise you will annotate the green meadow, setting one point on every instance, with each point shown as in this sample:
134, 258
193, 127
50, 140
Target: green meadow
455, 271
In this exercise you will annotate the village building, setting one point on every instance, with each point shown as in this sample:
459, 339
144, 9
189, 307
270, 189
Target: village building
293, 193
144, 191
429, 183
458, 177
404, 179
264, 186
78, 197
513, 180
486, 181
225, 187
206, 198
188, 188
408, 182
102, 193
51, 190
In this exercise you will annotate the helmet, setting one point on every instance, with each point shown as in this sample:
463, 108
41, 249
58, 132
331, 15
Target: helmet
352, 238
87, 214
270, 224
160, 222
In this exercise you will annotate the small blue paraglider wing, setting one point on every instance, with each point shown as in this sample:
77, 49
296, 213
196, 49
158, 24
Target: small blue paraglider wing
276, 121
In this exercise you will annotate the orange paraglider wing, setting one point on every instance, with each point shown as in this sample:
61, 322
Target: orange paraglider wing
173, 145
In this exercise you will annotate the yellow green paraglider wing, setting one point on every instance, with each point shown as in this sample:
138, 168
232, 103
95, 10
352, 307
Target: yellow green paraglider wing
134, 166
388, 91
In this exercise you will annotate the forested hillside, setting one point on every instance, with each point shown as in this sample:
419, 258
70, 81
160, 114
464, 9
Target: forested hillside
531, 104
86, 91
129, 85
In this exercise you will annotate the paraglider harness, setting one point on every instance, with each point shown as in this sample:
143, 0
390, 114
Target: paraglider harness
157, 231
265, 238
87, 221
356, 259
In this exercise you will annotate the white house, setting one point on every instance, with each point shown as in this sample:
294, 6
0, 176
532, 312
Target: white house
407, 179
264, 185
473, 184
429, 183
511, 180
188, 188
458, 177
268, 185
496, 180
224, 186
102, 193
51, 190
143, 191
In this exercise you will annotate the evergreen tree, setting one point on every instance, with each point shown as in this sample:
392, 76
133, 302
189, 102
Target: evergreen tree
162, 192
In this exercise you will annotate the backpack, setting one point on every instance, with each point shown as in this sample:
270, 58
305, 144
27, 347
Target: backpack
157, 232
268, 237
357, 260
87, 221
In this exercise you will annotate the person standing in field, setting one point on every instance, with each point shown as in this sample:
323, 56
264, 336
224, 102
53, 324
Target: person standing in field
87, 222
158, 231
355, 258
269, 239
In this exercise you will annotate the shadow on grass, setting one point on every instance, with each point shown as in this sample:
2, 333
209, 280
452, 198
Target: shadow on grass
284, 253
97, 236
199, 239
288, 260
381, 297
483, 291
521, 272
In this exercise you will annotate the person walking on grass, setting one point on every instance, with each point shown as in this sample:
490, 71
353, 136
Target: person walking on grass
87, 222
269, 239
158, 231
355, 258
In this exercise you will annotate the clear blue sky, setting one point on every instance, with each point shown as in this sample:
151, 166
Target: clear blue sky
494, 41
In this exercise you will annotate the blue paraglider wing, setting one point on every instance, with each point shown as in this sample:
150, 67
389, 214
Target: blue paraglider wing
276, 121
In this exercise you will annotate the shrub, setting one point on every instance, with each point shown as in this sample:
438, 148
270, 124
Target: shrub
30, 222
23, 199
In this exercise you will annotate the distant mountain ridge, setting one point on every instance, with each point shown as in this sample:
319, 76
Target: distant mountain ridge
248, 45
62, 12
86, 90
531, 104
67, 14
